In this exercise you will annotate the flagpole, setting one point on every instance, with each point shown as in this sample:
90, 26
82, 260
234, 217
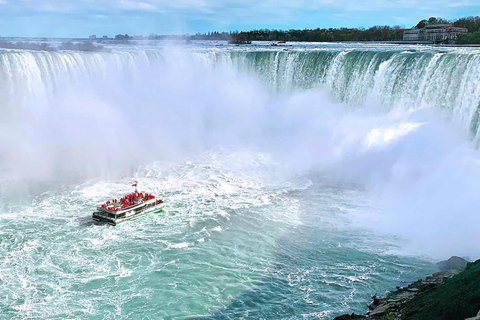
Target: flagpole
135, 183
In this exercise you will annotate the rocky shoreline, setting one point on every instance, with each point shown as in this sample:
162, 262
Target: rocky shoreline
453, 293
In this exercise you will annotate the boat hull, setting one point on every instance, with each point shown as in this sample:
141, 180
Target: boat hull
114, 219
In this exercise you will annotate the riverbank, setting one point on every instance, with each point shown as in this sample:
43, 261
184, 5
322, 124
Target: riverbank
452, 293
424, 43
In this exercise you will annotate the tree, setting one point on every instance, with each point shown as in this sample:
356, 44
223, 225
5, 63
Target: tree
122, 37
375, 33
469, 38
432, 20
443, 21
421, 24
471, 23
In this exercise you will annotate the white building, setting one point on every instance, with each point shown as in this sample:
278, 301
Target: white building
434, 33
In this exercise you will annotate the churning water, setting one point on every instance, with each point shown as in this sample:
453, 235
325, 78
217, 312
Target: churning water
298, 181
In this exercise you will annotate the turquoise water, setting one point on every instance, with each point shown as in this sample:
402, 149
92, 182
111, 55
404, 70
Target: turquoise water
276, 165
233, 241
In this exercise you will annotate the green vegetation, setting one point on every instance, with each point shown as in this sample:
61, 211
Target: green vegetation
457, 298
376, 33
471, 23
225, 36
432, 20
123, 37
469, 38
212, 36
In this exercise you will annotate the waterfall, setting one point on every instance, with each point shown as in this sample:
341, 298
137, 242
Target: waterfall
55, 99
395, 79
406, 79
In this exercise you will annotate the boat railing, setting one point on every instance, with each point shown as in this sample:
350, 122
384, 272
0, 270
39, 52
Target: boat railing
103, 207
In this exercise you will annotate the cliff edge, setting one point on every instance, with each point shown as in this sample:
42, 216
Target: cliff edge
453, 293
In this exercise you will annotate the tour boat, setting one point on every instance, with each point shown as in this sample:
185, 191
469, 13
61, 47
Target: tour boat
129, 207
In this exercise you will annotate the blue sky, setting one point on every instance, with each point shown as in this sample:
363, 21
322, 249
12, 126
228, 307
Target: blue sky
81, 18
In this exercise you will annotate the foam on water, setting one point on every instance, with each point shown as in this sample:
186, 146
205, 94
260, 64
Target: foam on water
269, 160
210, 245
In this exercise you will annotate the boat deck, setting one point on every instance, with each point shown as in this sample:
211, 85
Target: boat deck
130, 213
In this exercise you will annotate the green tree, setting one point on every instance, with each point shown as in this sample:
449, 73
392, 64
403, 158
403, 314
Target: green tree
471, 23
469, 38
443, 21
421, 24
432, 20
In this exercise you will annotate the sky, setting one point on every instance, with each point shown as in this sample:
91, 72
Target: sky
81, 18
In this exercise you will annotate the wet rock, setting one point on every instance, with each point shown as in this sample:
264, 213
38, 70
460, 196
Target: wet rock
445, 295
375, 303
352, 316
477, 317
382, 310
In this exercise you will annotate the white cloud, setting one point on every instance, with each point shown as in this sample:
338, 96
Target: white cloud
212, 5
40, 17
236, 14
136, 5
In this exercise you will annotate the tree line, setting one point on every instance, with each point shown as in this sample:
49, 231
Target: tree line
376, 33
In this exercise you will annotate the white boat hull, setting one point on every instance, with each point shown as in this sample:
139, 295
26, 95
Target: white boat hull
135, 212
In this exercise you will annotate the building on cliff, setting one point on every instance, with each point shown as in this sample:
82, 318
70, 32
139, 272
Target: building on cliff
436, 33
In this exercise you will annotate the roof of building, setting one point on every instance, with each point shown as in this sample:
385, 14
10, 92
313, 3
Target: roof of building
434, 26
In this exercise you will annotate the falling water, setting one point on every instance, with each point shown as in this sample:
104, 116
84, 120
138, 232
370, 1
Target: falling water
296, 179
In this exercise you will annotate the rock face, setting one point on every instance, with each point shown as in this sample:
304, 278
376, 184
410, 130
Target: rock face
453, 264
451, 294
475, 318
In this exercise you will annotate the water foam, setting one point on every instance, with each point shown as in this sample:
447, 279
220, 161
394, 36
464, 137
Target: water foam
287, 163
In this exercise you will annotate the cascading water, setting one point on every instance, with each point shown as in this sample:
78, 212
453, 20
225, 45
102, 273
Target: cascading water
270, 161
414, 78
